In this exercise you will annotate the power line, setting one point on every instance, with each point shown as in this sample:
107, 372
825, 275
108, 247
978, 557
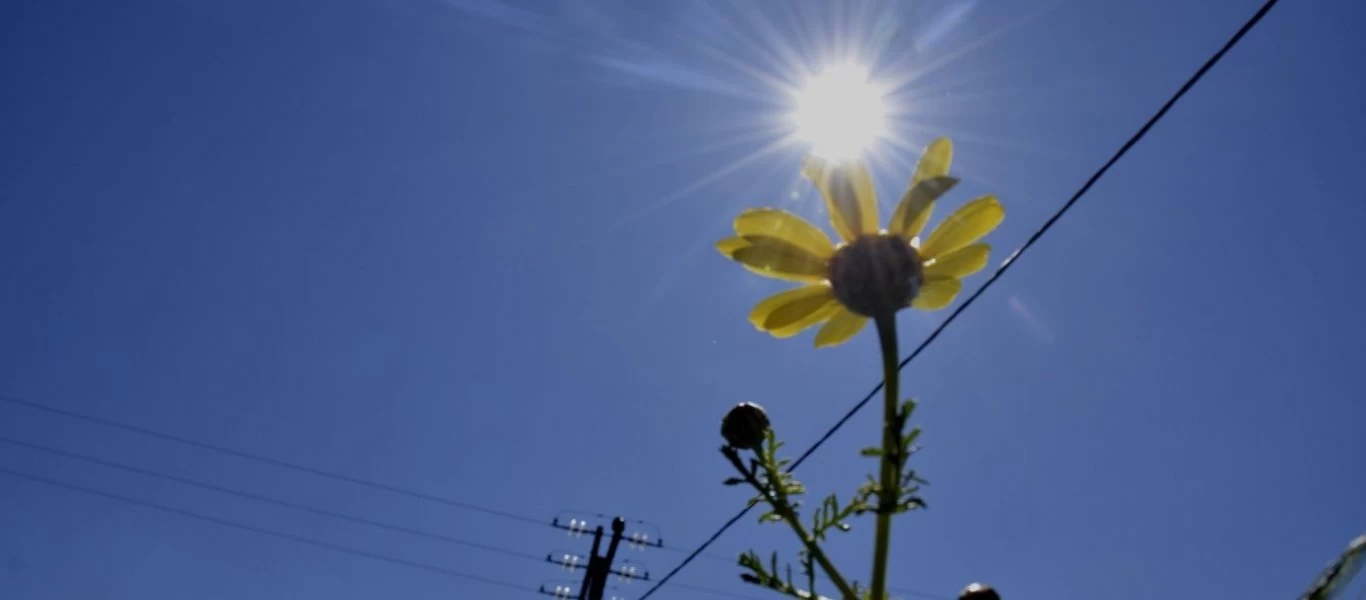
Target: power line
741, 596
273, 501
270, 532
918, 594
720, 593
269, 461
724, 594
996, 275
287, 465
302, 507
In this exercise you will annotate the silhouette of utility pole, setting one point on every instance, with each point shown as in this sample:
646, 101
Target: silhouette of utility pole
598, 567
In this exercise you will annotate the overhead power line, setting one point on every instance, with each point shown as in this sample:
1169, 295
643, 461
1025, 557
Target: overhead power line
273, 501
291, 505
296, 506
269, 461
270, 532
996, 275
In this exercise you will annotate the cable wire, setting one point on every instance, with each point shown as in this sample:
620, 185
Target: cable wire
273, 501
269, 532
724, 594
270, 461
1001, 270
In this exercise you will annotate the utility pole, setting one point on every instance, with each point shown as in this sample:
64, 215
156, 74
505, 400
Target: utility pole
598, 567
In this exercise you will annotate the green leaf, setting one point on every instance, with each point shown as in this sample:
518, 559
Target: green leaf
910, 436
871, 451
907, 407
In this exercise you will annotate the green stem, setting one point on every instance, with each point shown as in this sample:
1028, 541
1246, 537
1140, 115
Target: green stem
777, 498
780, 503
814, 549
890, 489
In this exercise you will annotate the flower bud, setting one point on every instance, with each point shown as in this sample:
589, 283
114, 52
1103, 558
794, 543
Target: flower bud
978, 591
745, 426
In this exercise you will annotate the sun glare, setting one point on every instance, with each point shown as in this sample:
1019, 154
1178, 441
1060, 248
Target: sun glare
840, 113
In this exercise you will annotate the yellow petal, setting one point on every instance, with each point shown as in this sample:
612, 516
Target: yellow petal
786, 313
937, 293
819, 316
965, 226
728, 246
840, 328
910, 218
849, 195
773, 257
959, 263
934, 161
785, 226
914, 209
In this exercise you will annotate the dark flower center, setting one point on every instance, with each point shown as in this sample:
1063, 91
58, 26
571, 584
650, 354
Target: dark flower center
876, 275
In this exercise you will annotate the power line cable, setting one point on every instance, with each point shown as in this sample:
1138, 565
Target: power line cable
312, 509
270, 461
724, 594
270, 532
714, 592
287, 465
273, 501
996, 275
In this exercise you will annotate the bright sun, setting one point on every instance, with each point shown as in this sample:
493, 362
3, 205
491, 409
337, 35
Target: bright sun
840, 113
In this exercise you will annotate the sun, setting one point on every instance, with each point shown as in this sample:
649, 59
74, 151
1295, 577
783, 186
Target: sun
840, 112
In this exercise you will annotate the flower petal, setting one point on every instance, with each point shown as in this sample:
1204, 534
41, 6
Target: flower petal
934, 161
965, 226
728, 246
786, 313
773, 257
849, 195
937, 293
785, 226
844, 325
910, 217
819, 316
959, 263
914, 209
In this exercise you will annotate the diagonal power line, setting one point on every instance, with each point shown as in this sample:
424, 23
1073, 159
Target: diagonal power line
269, 532
266, 460
127, 468
996, 275
272, 501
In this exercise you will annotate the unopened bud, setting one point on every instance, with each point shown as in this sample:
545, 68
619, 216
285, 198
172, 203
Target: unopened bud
745, 426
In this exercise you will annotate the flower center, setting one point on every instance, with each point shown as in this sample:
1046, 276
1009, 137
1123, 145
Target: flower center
876, 275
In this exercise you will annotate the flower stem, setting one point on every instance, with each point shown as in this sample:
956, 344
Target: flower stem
815, 550
889, 490
777, 498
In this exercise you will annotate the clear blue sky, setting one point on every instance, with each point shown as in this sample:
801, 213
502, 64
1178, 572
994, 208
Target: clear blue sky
464, 247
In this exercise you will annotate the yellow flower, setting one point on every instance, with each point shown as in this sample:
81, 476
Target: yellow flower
872, 272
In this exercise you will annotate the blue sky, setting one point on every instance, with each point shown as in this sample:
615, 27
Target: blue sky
464, 248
